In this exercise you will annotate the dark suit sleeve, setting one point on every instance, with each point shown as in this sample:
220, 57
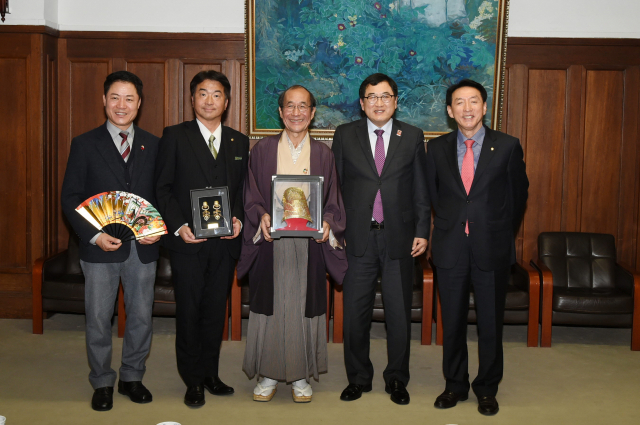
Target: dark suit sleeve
518, 182
336, 147
422, 206
165, 177
74, 191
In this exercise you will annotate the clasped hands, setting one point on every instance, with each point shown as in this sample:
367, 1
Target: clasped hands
187, 235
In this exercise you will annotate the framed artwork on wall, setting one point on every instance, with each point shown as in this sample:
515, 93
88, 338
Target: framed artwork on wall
330, 46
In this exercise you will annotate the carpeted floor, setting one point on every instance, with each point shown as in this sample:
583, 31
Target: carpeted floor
589, 376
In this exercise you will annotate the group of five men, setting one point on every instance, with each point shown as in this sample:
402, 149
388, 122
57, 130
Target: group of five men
380, 189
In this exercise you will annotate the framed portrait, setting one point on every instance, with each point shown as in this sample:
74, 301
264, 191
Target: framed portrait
296, 206
331, 46
211, 213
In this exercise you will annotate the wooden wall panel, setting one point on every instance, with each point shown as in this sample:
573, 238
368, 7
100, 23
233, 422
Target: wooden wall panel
151, 117
544, 154
13, 163
602, 149
86, 104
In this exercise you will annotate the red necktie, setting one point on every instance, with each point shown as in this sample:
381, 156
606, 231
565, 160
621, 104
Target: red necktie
467, 172
125, 149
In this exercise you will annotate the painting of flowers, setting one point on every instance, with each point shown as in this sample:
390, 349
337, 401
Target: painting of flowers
330, 46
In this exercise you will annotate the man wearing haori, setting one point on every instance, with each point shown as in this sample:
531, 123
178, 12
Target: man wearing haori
287, 277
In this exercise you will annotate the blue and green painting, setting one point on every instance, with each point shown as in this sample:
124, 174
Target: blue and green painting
330, 46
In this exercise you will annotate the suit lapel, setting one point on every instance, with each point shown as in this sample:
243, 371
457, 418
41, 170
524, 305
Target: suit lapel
394, 142
139, 158
109, 153
486, 155
228, 154
365, 143
199, 146
452, 158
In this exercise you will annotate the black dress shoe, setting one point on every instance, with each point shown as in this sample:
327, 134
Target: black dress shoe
488, 405
449, 399
354, 392
137, 392
399, 394
102, 399
217, 387
194, 396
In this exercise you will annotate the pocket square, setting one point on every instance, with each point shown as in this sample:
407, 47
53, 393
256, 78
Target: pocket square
238, 158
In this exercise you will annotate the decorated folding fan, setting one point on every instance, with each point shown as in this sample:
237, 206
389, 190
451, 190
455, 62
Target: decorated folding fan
122, 215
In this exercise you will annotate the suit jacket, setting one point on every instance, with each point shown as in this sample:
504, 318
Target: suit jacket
185, 163
95, 166
402, 185
494, 206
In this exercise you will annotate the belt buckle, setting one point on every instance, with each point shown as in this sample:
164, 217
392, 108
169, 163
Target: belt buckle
375, 225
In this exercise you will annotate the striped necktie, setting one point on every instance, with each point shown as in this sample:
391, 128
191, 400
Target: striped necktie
125, 148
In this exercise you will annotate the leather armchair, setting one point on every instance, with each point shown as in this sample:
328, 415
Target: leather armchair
522, 303
584, 285
421, 303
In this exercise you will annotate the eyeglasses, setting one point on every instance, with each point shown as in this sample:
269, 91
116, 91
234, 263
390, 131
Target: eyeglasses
301, 108
373, 99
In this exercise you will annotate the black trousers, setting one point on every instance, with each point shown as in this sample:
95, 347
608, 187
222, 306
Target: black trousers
359, 290
489, 291
202, 282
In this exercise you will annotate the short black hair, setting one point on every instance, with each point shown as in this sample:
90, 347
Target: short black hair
124, 77
297, 86
213, 76
374, 80
466, 83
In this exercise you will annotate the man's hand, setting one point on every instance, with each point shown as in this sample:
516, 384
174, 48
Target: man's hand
325, 232
108, 243
236, 229
265, 225
149, 240
187, 236
419, 246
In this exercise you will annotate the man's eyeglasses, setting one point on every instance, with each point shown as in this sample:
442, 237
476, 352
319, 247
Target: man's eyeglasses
373, 99
301, 108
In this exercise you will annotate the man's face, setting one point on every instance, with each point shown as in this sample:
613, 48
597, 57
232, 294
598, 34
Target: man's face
209, 101
468, 109
379, 113
297, 111
121, 104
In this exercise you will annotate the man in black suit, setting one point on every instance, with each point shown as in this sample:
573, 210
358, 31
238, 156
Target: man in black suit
195, 155
478, 189
117, 156
381, 163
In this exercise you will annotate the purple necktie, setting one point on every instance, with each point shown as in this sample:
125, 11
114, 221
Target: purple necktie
379, 158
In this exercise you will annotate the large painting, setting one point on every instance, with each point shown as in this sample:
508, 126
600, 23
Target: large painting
330, 46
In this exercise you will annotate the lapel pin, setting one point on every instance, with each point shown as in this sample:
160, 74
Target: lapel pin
492, 148
142, 147
232, 140
399, 133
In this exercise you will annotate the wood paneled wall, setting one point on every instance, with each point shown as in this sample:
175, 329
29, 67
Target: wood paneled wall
573, 103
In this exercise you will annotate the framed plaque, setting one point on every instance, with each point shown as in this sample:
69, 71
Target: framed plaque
296, 206
211, 213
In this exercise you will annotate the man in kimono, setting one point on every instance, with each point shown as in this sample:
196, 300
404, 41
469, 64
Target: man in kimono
287, 276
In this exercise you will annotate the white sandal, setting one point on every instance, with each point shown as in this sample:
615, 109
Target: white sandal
301, 395
264, 393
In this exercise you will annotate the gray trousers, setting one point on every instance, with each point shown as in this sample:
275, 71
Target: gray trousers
101, 289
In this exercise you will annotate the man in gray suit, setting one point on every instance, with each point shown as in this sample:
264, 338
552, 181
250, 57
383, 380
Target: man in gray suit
117, 156
381, 163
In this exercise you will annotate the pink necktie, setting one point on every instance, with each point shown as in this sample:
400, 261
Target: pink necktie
467, 172
379, 158
125, 149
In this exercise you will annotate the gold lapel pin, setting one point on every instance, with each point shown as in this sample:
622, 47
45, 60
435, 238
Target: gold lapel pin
232, 140
491, 148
